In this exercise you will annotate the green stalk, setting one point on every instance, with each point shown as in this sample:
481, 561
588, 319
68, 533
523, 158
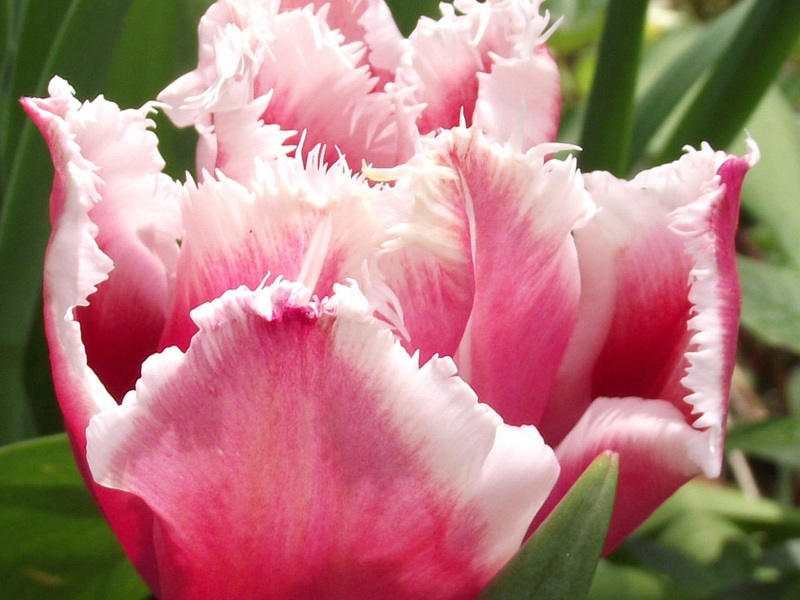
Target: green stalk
607, 125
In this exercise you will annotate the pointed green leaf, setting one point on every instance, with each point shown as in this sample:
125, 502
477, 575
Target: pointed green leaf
671, 87
55, 545
771, 191
560, 559
739, 78
607, 123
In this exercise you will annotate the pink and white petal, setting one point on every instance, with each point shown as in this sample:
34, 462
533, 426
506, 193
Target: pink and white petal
519, 100
639, 274
426, 265
298, 220
307, 60
366, 21
233, 37
283, 489
463, 63
652, 439
74, 268
522, 210
135, 220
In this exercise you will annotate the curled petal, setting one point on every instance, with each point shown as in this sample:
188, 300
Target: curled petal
304, 452
108, 272
658, 320
656, 257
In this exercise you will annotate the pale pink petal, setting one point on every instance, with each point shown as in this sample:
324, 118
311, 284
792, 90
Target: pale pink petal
238, 140
104, 207
487, 61
250, 50
367, 21
652, 439
319, 459
299, 220
656, 256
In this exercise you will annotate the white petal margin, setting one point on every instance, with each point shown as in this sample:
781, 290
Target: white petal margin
74, 264
709, 224
287, 422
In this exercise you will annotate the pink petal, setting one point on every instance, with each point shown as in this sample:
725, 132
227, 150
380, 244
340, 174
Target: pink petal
104, 208
367, 21
651, 438
522, 210
301, 221
489, 64
296, 450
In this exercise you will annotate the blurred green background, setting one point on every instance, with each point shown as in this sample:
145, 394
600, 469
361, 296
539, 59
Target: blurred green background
668, 73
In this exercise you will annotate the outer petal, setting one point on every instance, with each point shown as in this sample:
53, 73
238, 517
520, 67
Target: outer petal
135, 220
655, 244
490, 64
103, 208
659, 319
299, 220
321, 461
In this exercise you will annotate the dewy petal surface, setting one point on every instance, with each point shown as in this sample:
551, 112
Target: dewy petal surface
105, 207
298, 437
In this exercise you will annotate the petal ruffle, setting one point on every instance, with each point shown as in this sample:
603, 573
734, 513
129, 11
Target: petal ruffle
304, 452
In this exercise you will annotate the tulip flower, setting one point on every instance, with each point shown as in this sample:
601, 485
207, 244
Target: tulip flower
383, 331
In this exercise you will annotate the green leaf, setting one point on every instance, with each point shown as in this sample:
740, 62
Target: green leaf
777, 439
55, 545
560, 559
79, 50
771, 302
771, 191
607, 123
672, 86
740, 77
